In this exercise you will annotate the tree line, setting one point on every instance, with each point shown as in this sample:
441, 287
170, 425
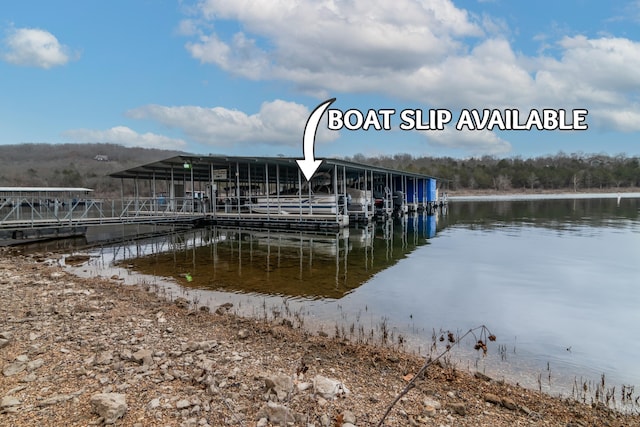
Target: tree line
562, 171
88, 165
73, 165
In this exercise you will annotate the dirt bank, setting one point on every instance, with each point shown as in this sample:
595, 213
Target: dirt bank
79, 352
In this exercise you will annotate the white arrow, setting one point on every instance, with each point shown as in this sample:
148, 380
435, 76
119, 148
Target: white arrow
309, 165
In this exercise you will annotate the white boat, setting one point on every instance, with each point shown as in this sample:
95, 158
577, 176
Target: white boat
359, 201
320, 244
318, 203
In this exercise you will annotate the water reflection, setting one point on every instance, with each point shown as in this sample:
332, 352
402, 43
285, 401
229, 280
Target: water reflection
295, 264
560, 214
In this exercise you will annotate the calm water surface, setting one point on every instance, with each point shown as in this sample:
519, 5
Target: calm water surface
556, 281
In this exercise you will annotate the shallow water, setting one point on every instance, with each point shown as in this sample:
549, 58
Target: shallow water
555, 279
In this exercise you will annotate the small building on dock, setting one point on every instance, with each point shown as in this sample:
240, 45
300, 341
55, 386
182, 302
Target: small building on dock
272, 192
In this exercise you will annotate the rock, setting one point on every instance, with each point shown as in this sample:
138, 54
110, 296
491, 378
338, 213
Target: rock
348, 425
243, 334
509, 404
329, 388
126, 354
110, 406
348, 417
13, 368
432, 402
458, 408
482, 376
525, 410
429, 411
224, 308
278, 414
182, 302
9, 401
4, 342
280, 384
76, 259
29, 378
6, 335
154, 403
143, 356
104, 358
262, 422
492, 398
182, 404
325, 421
303, 386
35, 364
55, 399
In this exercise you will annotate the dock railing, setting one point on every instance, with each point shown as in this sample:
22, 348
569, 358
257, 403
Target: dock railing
28, 212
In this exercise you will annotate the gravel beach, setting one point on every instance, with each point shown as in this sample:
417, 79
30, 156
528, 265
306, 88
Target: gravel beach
81, 352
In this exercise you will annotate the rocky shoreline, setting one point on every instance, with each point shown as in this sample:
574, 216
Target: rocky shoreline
79, 352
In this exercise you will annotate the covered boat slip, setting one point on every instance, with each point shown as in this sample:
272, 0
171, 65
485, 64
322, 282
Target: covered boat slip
271, 192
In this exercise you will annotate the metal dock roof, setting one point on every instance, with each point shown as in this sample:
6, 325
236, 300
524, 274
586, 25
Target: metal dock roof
201, 166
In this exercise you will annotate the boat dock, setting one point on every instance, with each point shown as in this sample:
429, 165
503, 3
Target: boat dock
272, 190
264, 192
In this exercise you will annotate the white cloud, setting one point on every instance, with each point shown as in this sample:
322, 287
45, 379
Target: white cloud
33, 47
619, 119
476, 142
593, 71
125, 136
313, 40
241, 56
429, 51
187, 27
277, 123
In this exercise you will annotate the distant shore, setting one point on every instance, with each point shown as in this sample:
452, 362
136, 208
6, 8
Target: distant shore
514, 194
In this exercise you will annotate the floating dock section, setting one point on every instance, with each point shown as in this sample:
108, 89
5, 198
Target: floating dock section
271, 192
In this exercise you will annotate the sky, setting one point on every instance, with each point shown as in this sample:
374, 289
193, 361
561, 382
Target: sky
243, 77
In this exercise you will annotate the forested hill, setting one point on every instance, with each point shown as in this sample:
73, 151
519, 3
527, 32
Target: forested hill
71, 165
574, 172
88, 165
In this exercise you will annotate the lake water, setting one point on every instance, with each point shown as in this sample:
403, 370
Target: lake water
556, 280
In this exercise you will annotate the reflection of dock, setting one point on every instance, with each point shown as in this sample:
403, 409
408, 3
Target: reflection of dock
284, 262
279, 221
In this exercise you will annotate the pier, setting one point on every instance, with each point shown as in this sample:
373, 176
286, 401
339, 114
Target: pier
272, 190
259, 192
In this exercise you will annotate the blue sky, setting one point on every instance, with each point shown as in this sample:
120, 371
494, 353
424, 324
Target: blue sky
242, 77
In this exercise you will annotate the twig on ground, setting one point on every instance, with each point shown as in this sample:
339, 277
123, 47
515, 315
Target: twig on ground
481, 344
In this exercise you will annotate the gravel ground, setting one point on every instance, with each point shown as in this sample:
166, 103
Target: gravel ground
79, 352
